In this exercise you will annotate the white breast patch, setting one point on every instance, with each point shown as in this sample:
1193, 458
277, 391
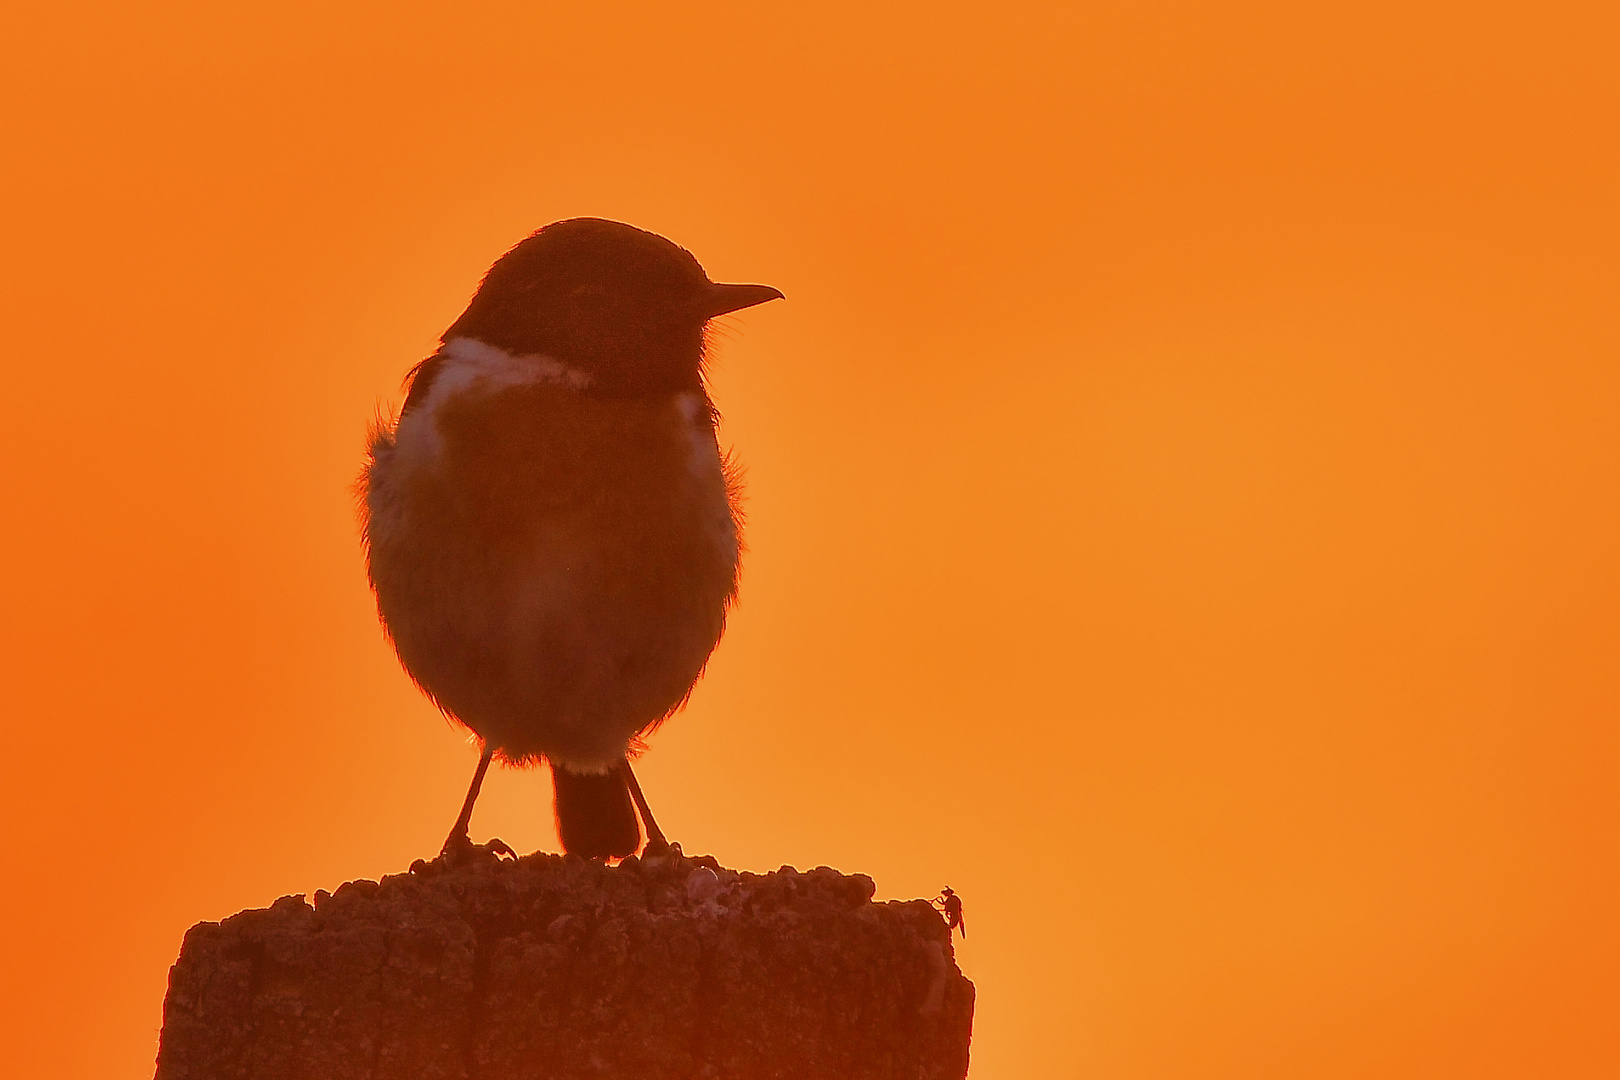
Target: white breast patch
473, 367
702, 455
704, 463
468, 366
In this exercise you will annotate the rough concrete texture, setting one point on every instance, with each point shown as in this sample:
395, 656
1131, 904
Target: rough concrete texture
554, 967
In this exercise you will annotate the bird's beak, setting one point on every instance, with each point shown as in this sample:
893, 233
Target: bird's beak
721, 299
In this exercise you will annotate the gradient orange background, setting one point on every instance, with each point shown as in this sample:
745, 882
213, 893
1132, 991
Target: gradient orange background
1182, 492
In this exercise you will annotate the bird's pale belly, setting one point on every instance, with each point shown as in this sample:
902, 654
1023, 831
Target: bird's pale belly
553, 568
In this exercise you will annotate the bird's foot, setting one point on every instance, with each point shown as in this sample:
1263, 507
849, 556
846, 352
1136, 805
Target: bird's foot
459, 850
657, 846
497, 848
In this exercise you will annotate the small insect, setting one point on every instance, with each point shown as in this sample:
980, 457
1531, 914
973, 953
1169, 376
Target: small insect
950, 905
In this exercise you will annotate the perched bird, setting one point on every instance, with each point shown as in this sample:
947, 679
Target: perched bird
550, 527
950, 905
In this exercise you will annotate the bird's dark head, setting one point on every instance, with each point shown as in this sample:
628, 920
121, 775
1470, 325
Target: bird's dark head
623, 306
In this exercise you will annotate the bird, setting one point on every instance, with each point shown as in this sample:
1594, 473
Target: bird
550, 528
950, 906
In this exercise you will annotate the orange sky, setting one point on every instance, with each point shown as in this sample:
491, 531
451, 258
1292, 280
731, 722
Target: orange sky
1182, 493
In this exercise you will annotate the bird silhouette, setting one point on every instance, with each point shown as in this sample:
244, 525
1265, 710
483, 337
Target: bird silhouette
950, 905
550, 527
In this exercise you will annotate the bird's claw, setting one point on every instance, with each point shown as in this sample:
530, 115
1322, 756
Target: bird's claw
657, 846
459, 850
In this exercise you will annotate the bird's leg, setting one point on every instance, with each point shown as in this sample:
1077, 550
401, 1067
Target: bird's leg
458, 843
656, 844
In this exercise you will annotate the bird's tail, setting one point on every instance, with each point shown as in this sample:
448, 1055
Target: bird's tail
595, 817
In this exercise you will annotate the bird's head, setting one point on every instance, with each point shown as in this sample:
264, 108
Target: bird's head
623, 306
